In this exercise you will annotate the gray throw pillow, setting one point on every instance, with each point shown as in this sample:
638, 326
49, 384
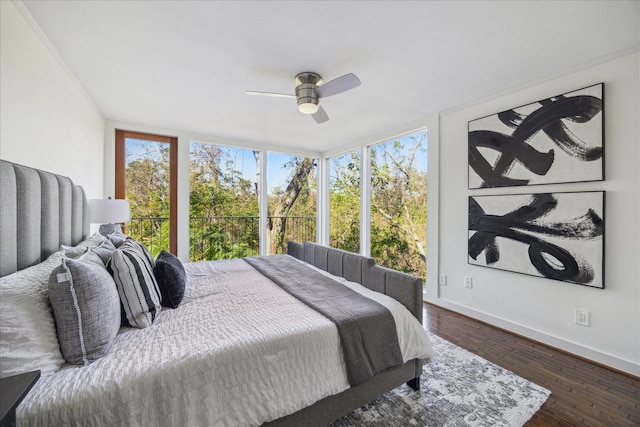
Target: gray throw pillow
86, 309
91, 257
73, 251
117, 238
104, 251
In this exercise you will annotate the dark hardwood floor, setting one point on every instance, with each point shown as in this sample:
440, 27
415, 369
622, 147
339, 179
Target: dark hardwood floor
582, 393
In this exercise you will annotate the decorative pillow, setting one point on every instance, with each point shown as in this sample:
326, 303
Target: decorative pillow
86, 308
117, 238
94, 240
104, 251
28, 338
142, 249
82, 247
137, 287
91, 257
171, 278
73, 251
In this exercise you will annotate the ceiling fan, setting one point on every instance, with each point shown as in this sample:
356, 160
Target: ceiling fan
309, 90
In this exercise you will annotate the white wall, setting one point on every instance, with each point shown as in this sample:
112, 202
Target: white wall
46, 121
540, 308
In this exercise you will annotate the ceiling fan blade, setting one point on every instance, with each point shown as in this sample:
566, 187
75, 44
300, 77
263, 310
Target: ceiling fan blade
320, 116
338, 85
275, 95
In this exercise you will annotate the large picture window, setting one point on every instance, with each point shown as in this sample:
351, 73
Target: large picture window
398, 222
224, 202
375, 199
344, 201
292, 184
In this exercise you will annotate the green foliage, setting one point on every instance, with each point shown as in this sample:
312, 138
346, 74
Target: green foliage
215, 242
344, 202
399, 204
147, 189
223, 206
224, 203
292, 211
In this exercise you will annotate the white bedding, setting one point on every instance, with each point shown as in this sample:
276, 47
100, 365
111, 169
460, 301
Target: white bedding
230, 355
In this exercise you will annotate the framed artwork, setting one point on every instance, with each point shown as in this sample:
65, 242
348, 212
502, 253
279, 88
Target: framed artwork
559, 236
555, 140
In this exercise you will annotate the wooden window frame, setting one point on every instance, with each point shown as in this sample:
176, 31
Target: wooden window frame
120, 193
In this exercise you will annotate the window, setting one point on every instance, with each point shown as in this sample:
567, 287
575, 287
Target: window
344, 201
146, 175
224, 202
292, 200
398, 224
376, 199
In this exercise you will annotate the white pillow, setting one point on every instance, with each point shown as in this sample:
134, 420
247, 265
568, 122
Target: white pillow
28, 339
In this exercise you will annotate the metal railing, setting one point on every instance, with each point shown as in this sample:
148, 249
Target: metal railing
223, 237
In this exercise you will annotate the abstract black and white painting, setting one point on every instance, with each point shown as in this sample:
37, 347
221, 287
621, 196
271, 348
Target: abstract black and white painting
559, 139
554, 235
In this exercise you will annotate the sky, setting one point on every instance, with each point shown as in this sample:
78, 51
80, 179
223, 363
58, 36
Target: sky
244, 162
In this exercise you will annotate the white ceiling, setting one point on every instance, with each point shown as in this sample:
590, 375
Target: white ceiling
186, 65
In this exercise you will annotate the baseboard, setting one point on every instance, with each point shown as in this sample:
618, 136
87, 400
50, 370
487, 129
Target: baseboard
593, 355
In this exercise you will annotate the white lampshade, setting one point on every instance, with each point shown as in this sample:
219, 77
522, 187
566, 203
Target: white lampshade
109, 211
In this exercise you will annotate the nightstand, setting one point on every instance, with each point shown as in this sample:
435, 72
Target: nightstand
12, 391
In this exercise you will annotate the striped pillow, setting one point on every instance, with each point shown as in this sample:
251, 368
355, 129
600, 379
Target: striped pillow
140, 248
137, 287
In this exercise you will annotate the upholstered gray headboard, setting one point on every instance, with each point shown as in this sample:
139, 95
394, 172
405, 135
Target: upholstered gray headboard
405, 288
39, 211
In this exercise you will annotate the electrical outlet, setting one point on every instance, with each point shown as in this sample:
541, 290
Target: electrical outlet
443, 279
581, 317
467, 282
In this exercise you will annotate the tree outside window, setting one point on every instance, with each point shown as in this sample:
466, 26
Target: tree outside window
399, 203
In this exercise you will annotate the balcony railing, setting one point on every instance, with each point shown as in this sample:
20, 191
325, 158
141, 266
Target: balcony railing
223, 237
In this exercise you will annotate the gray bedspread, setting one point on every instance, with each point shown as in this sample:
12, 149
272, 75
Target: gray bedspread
366, 328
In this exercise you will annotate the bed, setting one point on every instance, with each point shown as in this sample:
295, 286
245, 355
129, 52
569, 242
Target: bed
238, 350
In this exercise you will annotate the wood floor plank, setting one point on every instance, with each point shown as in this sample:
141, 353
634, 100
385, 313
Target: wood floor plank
582, 393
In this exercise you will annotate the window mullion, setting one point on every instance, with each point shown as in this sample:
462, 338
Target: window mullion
264, 202
322, 212
365, 201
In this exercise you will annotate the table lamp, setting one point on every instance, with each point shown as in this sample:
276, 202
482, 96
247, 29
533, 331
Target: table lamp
110, 213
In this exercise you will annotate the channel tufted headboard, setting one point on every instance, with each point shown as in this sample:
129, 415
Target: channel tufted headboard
39, 211
362, 269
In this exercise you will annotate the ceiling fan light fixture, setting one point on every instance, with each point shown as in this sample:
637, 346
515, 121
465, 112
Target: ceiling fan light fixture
307, 98
308, 107
309, 90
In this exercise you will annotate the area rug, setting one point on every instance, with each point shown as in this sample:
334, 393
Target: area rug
457, 388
